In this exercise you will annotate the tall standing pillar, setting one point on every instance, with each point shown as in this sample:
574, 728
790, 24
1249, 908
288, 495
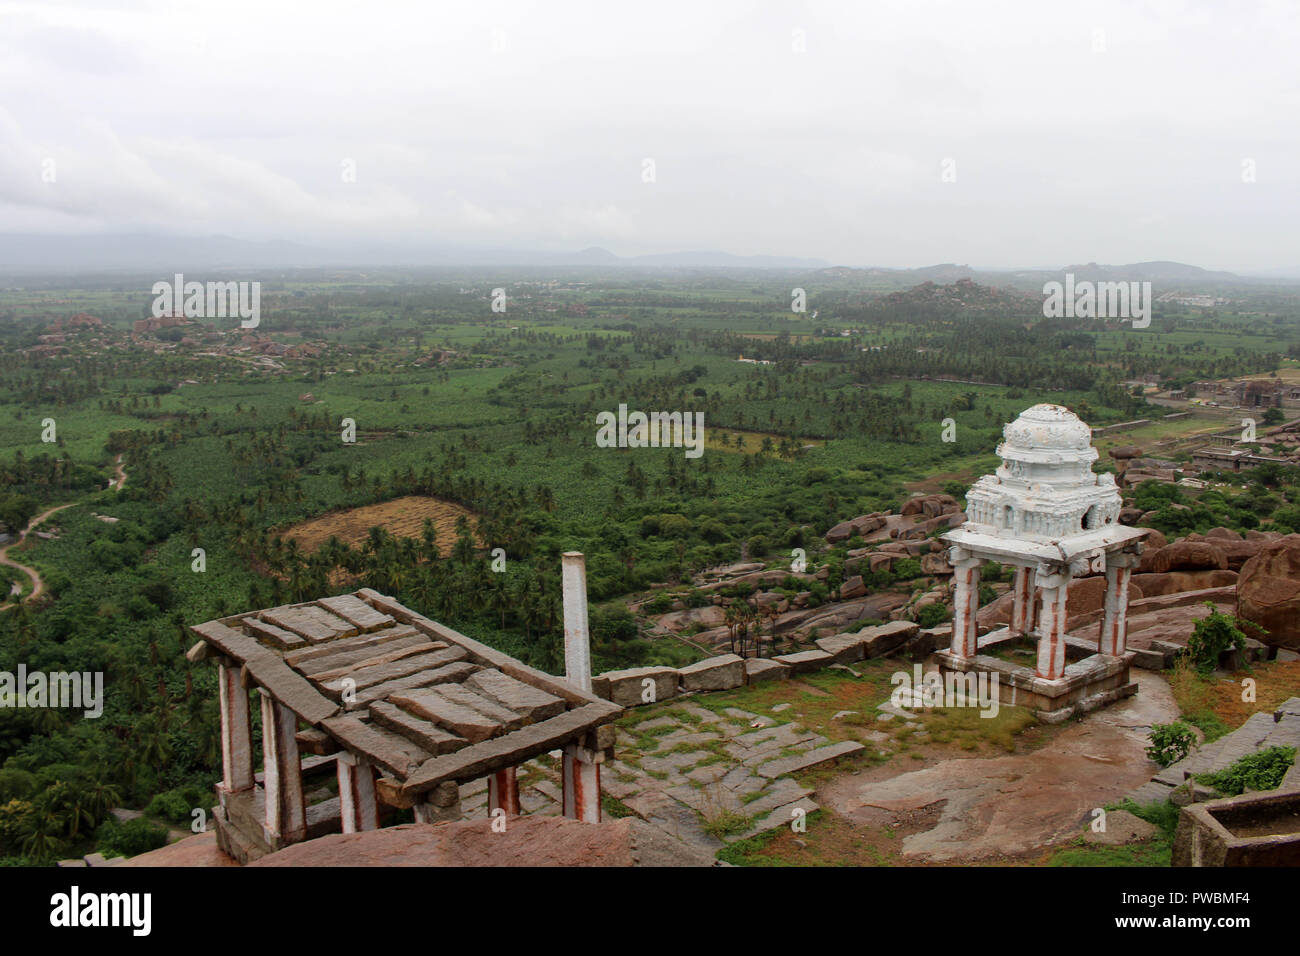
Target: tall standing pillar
965, 602
286, 812
1053, 589
236, 730
1023, 606
577, 639
1114, 623
357, 805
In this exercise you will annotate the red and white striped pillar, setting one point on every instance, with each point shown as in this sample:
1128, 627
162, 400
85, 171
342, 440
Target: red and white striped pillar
1114, 622
503, 791
965, 602
1023, 605
1054, 589
582, 783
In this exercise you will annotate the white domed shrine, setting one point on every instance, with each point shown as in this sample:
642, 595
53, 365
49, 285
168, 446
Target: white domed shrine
1047, 513
1045, 487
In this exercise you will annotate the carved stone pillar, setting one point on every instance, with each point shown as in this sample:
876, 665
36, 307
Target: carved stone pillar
357, 804
965, 602
1053, 589
582, 783
286, 813
1023, 605
236, 730
503, 791
1114, 623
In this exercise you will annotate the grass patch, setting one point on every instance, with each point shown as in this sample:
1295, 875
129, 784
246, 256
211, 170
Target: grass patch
1258, 771
726, 822
1154, 852
1215, 706
966, 727
614, 808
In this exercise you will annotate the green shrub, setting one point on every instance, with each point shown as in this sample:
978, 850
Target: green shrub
1258, 771
905, 569
1213, 635
131, 838
170, 805
932, 615
1170, 743
659, 604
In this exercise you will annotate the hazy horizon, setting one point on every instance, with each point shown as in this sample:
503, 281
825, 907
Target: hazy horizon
897, 136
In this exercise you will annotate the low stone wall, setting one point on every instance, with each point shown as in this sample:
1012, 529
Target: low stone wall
636, 686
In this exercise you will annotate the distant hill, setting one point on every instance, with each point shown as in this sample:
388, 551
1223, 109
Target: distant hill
962, 296
1151, 272
110, 253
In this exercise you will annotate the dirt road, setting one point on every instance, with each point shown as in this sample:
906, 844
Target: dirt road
37, 584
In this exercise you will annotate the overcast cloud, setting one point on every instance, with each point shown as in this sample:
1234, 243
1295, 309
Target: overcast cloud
526, 125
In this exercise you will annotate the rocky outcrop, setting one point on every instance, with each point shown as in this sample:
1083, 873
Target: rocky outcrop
1188, 556
931, 506
852, 588
1088, 596
1268, 592
855, 527
1173, 582
703, 617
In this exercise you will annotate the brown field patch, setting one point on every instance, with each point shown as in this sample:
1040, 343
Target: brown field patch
401, 517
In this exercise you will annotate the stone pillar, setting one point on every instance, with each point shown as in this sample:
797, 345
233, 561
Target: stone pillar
1114, 623
965, 602
1054, 586
503, 791
441, 806
577, 641
236, 730
357, 804
1023, 606
286, 813
582, 783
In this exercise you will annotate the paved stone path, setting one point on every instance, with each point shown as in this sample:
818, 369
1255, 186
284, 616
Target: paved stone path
682, 767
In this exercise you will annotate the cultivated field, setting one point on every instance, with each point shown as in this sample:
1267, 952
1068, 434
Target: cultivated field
401, 517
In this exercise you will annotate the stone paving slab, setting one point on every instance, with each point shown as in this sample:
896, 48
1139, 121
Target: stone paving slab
781, 792
671, 762
698, 737
674, 818
703, 713
813, 758
709, 773
743, 780
782, 816
616, 788
706, 800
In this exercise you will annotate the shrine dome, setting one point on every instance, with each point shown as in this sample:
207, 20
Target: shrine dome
1045, 487
1047, 428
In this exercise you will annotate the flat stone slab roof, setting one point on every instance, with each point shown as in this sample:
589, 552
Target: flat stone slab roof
1088, 544
422, 702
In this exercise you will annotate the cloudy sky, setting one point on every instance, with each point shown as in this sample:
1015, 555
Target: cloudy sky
869, 133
